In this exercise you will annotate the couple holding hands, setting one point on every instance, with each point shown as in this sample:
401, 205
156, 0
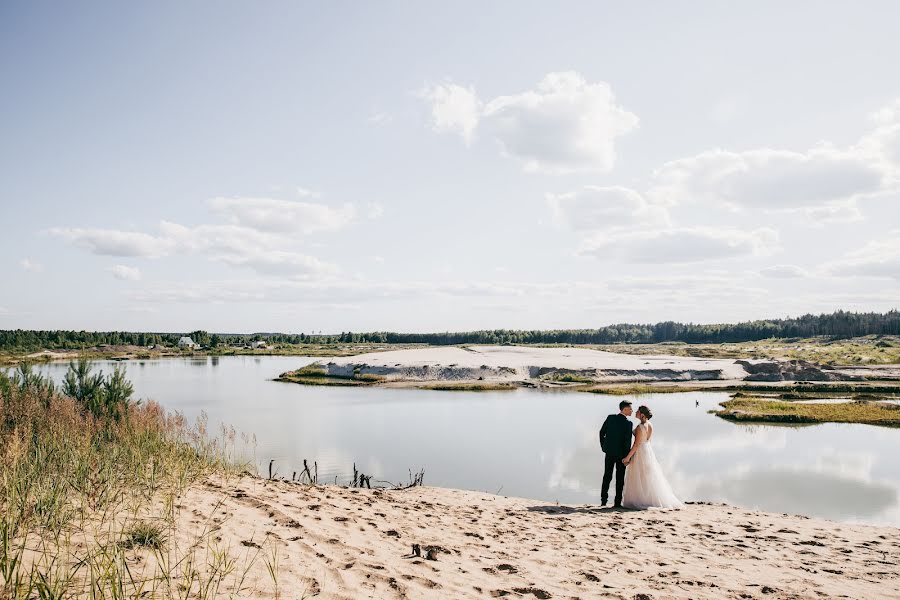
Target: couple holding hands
640, 482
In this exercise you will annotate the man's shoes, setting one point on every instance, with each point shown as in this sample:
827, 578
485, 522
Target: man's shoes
617, 505
602, 503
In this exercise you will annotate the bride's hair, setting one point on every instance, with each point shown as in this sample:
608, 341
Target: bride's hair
645, 411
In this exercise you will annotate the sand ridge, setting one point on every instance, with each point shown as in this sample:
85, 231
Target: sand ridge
340, 543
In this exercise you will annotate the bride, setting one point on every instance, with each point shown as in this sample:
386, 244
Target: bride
645, 484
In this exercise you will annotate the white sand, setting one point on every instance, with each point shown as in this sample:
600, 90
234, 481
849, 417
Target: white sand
519, 363
336, 543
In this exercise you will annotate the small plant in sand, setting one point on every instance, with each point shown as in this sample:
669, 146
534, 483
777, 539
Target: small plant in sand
144, 535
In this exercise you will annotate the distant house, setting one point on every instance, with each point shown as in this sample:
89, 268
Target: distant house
258, 344
186, 342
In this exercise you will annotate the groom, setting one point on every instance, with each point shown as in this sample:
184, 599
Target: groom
615, 440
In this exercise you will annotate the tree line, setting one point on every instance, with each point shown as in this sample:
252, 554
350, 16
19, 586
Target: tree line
840, 324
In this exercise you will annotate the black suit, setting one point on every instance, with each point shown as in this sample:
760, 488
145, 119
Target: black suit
615, 440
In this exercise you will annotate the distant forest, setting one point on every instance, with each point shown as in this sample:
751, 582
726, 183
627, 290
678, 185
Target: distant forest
840, 324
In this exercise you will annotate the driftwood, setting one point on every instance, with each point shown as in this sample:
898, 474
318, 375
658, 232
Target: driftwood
310, 475
360, 480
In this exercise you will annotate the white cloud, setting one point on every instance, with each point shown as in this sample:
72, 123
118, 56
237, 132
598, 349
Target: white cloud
680, 245
887, 114
770, 179
125, 273
283, 216
32, 266
113, 242
278, 262
885, 142
784, 272
454, 109
594, 208
878, 258
836, 212
564, 125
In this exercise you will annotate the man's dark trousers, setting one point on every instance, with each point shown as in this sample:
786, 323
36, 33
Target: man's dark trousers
615, 440
612, 462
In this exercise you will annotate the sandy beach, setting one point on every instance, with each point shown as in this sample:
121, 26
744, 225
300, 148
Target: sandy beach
340, 543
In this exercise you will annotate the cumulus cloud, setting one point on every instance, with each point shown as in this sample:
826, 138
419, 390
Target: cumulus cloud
838, 212
258, 233
769, 179
564, 125
594, 207
125, 273
283, 216
32, 266
878, 258
784, 272
113, 242
680, 245
454, 109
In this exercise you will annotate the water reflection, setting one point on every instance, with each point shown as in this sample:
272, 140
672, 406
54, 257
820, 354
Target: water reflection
528, 443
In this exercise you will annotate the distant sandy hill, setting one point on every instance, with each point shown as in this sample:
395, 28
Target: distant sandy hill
546, 365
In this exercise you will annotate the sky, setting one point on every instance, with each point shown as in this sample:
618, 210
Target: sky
344, 166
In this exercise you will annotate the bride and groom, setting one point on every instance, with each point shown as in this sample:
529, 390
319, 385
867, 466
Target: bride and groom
640, 482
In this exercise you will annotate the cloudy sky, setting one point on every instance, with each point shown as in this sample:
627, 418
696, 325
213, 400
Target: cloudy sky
445, 166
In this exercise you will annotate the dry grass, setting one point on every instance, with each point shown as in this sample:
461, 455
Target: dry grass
88, 502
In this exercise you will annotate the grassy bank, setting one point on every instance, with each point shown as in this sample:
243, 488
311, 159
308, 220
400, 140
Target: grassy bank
89, 488
777, 411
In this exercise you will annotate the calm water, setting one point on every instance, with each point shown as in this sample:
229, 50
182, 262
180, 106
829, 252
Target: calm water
528, 443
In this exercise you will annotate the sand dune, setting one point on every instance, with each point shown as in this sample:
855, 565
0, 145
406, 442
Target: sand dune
338, 543
518, 363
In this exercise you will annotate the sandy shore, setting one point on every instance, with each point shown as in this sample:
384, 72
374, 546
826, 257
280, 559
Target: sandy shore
342, 543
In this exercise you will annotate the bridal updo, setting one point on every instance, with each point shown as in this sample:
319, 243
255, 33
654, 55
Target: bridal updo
645, 411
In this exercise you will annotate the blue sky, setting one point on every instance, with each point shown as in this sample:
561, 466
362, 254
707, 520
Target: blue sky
427, 166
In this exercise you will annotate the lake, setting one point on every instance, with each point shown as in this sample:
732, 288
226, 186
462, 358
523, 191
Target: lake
528, 443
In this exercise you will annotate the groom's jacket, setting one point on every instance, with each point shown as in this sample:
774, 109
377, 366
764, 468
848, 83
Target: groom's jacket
615, 436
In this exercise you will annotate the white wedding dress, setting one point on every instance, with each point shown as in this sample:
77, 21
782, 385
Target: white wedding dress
645, 484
